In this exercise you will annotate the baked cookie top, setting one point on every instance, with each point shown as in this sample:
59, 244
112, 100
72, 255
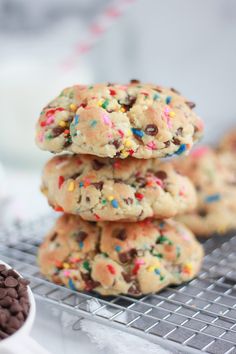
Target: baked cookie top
112, 120
114, 258
214, 177
114, 189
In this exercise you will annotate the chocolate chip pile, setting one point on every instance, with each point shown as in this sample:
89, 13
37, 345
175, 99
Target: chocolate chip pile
14, 301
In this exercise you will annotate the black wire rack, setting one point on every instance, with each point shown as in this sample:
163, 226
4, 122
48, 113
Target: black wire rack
196, 317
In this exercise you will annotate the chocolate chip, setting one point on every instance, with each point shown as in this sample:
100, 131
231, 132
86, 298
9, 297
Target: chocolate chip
161, 175
97, 165
4, 317
14, 323
2, 267
3, 293
134, 81
134, 290
22, 291
167, 143
176, 141
13, 273
75, 175
126, 257
54, 236
120, 234
91, 284
81, 236
141, 181
87, 199
10, 282
129, 104
20, 316
4, 273
175, 91
25, 307
24, 299
116, 143
57, 131
191, 105
179, 131
202, 213
3, 335
15, 308
85, 276
98, 185
12, 293
151, 129
118, 153
67, 143
128, 201
118, 180
157, 89
6, 301
127, 277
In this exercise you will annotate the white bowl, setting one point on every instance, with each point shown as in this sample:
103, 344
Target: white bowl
20, 342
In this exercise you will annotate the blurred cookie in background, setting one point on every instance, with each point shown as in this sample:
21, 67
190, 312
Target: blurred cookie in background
228, 142
215, 181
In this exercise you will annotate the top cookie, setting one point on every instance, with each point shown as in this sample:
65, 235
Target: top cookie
111, 120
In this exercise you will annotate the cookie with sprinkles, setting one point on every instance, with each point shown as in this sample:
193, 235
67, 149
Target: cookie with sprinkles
108, 189
119, 258
112, 120
214, 176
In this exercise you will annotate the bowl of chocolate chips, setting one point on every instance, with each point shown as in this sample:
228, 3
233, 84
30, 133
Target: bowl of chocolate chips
17, 313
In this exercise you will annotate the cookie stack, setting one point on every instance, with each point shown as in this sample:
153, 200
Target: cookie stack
115, 235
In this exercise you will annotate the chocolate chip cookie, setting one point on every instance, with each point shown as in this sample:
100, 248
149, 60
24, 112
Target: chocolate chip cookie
112, 120
114, 258
113, 189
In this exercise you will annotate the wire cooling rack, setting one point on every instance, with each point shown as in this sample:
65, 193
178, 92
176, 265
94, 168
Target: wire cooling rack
196, 317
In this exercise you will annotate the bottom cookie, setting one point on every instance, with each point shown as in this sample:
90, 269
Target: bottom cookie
114, 258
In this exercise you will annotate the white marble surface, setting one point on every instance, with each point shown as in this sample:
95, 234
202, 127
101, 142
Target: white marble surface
56, 334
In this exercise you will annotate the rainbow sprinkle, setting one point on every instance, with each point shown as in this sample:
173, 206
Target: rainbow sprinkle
138, 132
71, 186
111, 269
76, 119
71, 284
114, 203
105, 104
86, 266
93, 123
212, 198
181, 149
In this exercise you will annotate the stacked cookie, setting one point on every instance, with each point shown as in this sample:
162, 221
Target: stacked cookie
114, 236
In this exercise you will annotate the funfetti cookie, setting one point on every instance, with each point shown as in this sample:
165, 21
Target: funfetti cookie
114, 189
112, 120
114, 258
215, 181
